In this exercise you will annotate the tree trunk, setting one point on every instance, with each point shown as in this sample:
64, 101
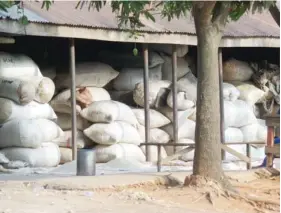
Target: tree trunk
207, 159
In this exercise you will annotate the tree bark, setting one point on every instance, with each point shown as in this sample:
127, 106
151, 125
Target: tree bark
274, 11
207, 159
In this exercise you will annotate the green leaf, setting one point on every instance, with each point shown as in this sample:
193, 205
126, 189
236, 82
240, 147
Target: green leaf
24, 20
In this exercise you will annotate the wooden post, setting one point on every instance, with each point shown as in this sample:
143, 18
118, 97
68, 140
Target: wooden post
73, 99
249, 165
146, 102
174, 91
270, 143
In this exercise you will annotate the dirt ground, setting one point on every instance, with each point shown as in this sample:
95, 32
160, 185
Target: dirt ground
261, 195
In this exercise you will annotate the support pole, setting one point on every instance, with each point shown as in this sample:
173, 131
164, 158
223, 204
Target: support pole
221, 102
174, 91
146, 102
73, 99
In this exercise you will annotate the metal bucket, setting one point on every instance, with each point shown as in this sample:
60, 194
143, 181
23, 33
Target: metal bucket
86, 162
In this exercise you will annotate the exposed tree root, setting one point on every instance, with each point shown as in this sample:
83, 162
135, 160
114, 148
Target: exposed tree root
216, 189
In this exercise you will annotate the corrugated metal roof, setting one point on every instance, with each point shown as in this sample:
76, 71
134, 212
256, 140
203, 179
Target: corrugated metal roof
64, 13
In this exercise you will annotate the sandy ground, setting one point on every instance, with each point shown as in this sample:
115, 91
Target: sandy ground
47, 197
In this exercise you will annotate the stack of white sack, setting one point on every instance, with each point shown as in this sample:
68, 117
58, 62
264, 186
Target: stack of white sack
90, 78
132, 74
115, 129
27, 120
157, 135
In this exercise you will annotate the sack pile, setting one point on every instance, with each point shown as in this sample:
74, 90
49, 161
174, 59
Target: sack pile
115, 129
27, 120
91, 77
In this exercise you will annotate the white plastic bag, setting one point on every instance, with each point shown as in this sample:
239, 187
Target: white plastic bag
129, 77
46, 155
17, 66
107, 153
65, 155
154, 88
89, 74
230, 92
156, 118
29, 133
238, 114
156, 135
64, 122
188, 84
168, 112
186, 129
109, 111
182, 68
9, 110
185, 157
19, 91
233, 135
234, 70
182, 100
115, 132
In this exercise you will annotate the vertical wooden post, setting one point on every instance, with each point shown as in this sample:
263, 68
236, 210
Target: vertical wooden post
174, 91
270, 143
248, 149
159, 158
73, 99
221, 102
146, 101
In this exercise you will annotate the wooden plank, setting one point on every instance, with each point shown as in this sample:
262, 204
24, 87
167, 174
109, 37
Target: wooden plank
177, 154
236, 154
272, 121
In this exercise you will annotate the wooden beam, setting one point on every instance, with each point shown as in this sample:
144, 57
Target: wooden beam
236, 154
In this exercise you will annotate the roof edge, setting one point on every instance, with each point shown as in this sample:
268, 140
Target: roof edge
56, 30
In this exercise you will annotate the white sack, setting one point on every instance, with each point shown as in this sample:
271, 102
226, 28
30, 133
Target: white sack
65, 155
234, 70
156, 118
182, 68
156, 135
255, 132
168, 112
230, 92
188, 84
109, 111
64, 121
238, 114
29, 133
17, 66
44, 89
186, 129
62, 101
182, 100
129, 77
90, 74
232, 135
154, 88
20, 91
115, 132
65, 140
249, 93
9, 110
181, 50
107, 153
193, 116
47, 155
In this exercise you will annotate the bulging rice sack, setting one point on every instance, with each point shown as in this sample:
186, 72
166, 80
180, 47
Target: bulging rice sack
109, 111
111, 133
9, 110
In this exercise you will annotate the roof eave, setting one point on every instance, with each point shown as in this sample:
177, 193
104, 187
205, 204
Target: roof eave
51, 30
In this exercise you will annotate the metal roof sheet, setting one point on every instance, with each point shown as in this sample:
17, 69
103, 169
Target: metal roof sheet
64, 13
